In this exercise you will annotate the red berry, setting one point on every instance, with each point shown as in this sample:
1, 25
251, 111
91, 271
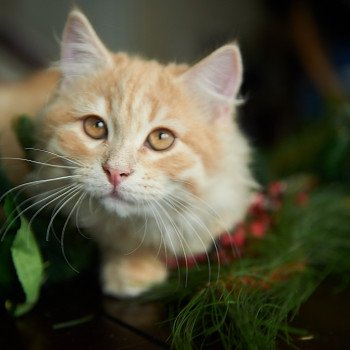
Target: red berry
276, 188
258, 228
236, 239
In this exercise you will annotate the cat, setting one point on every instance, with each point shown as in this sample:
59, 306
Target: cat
148, 157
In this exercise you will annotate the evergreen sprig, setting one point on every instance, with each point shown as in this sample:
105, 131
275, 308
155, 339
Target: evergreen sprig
253, 301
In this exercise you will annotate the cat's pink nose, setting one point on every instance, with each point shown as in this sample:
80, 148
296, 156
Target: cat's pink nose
114, 175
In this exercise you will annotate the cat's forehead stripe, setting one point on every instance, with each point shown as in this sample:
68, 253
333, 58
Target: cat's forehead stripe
139, 104
157, 114
101, 106
92, 105
130, 114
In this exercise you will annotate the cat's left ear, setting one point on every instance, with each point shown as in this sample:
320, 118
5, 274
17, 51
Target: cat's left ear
82, 52
215, 80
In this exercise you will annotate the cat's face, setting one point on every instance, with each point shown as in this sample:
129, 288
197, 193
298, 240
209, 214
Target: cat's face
140, 134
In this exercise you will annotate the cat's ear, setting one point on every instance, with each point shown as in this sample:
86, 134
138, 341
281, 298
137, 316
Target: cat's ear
216, 79
81, 50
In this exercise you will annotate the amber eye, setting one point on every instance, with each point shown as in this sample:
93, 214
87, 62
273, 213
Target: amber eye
95, 127
160, 139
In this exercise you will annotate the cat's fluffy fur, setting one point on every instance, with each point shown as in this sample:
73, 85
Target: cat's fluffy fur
171, 203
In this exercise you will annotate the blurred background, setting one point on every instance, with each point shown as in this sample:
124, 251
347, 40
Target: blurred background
296, 53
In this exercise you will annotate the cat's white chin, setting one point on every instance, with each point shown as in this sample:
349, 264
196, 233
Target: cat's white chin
119, 206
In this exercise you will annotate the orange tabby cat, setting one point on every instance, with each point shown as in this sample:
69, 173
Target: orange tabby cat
146, 156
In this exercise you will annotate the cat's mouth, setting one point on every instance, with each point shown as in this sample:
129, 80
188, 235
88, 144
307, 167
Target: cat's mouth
118, 196
115, 194
118, 202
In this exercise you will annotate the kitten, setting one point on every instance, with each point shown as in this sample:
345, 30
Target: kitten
147, 155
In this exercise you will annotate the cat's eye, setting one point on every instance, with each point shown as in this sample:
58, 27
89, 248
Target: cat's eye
160, 139
95, 127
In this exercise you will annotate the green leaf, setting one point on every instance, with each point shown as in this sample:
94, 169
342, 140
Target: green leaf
29, 266
8, 280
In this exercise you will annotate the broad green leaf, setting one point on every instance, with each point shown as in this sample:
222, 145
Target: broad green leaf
29, 266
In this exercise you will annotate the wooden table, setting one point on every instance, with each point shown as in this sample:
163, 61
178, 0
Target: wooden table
75, 316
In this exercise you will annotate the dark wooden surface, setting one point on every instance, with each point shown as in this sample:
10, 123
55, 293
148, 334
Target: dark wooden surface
75, 316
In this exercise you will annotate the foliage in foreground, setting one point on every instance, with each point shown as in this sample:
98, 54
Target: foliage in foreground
251, 303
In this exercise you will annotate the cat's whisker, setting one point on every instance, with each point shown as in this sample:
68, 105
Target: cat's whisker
155, 215
37, 182
173, 207
6, 228
53, 211
94, 204
169, 204
65, 227
179, 236
32, 198
170, 240
45, 194
68, 159
210, 212
206, 208
39, 163
57, 194
161, 243
161, 226
179, 196
93, 211
77, 218
202, 225
60, 206
194, 230
144, 228
20, 192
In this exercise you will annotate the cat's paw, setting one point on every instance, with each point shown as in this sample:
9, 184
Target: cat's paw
131, 275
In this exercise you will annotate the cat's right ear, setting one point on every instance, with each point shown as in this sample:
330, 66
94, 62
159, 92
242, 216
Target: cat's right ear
216, 79
82, 52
